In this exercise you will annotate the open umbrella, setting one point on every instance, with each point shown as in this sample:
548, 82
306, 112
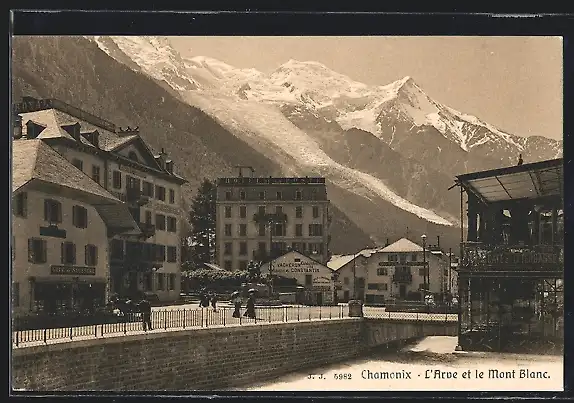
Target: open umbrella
251, 290
234, 293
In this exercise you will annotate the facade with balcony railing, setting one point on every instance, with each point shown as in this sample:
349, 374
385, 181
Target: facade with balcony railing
121, 162
263, 218
512, 268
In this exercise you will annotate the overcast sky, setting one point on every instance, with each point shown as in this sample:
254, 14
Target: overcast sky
514, 83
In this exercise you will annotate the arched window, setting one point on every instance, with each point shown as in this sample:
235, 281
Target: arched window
133, 156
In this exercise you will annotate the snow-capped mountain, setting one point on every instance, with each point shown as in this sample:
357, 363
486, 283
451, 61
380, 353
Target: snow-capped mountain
389, 151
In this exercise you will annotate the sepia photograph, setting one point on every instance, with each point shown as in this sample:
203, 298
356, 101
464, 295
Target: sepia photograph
287, 213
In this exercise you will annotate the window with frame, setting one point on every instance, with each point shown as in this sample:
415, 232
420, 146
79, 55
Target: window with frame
262, 229
315, 211
15, 294
243, 265
243, 248
160, 281
91, 255
422, 271
172, 280
393, 258
261, 195
117, 249
172, 224
279, 195
68, 253
242, 229
298, 195
96, 174
160, 222
227, 265
414, 257
37, 250
278, 210
147, 189
261, 210
242, 211
299, 212
21, 204
52, 211
171, 196
314, 194
228, 248
315, 229
160, 253
242, 195
148, 281
403, 257
148, 217
228, 195
227, 211
171, 254
298, 229
160, 193
79, 217
382, 271
117, 179
278, 229
227, 229
308, 280
78, 163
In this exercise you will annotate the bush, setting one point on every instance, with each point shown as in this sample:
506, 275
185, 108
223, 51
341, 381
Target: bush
213, 279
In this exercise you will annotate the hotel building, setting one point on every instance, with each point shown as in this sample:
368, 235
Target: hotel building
120, 163
261, 218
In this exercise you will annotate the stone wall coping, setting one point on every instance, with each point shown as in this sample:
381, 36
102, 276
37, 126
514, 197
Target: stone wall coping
57, 345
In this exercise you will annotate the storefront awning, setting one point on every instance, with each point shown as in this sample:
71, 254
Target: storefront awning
527, 181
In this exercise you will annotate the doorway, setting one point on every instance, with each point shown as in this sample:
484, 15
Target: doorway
319, 298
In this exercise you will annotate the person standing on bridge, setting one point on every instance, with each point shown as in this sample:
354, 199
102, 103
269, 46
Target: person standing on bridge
145, 309
250, 312
214, 302
236, 300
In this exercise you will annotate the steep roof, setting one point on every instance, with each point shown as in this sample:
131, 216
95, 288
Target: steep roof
34, 159
338, 261
403, 245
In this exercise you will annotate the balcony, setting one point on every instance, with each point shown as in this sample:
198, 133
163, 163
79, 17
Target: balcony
524, 258
405, 278
135, 196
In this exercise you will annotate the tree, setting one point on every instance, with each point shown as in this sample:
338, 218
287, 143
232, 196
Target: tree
202, 220
254, 270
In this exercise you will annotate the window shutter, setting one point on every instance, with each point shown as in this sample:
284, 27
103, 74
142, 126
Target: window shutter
25, 204
63, 252
44, 251
85, 218
74, 252
31, 250
46, 210
95, 257
74, 216
59, 212
86, 251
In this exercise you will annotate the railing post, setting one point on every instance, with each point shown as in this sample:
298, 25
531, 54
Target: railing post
201, 316
95, 330
269, 314
125, 325
71, 330
102, 329
165, 320
224, 315
320, 312
45, 342
297, 313
330, 312
184, 318
17, 337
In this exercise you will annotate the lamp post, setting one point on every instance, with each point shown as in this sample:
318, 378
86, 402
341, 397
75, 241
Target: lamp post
270, 221
425, 270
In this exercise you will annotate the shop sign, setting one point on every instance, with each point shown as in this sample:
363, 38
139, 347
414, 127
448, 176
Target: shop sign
296, 267
321, 288
73, 270
403, 263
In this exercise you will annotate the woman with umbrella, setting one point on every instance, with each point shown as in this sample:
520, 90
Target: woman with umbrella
236, 300
250, 312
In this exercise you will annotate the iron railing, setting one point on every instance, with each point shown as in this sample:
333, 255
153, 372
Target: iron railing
480, 256
162, 320
378, 313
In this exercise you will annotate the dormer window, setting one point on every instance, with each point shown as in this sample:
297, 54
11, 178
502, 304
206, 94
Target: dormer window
73, 130
33, 130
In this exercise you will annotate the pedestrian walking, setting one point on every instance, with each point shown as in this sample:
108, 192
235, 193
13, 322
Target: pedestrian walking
250, 311
145, 309
236, 300
214, 302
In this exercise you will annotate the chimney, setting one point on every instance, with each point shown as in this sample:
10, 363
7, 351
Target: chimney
387, 243
17, 133
169, 166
